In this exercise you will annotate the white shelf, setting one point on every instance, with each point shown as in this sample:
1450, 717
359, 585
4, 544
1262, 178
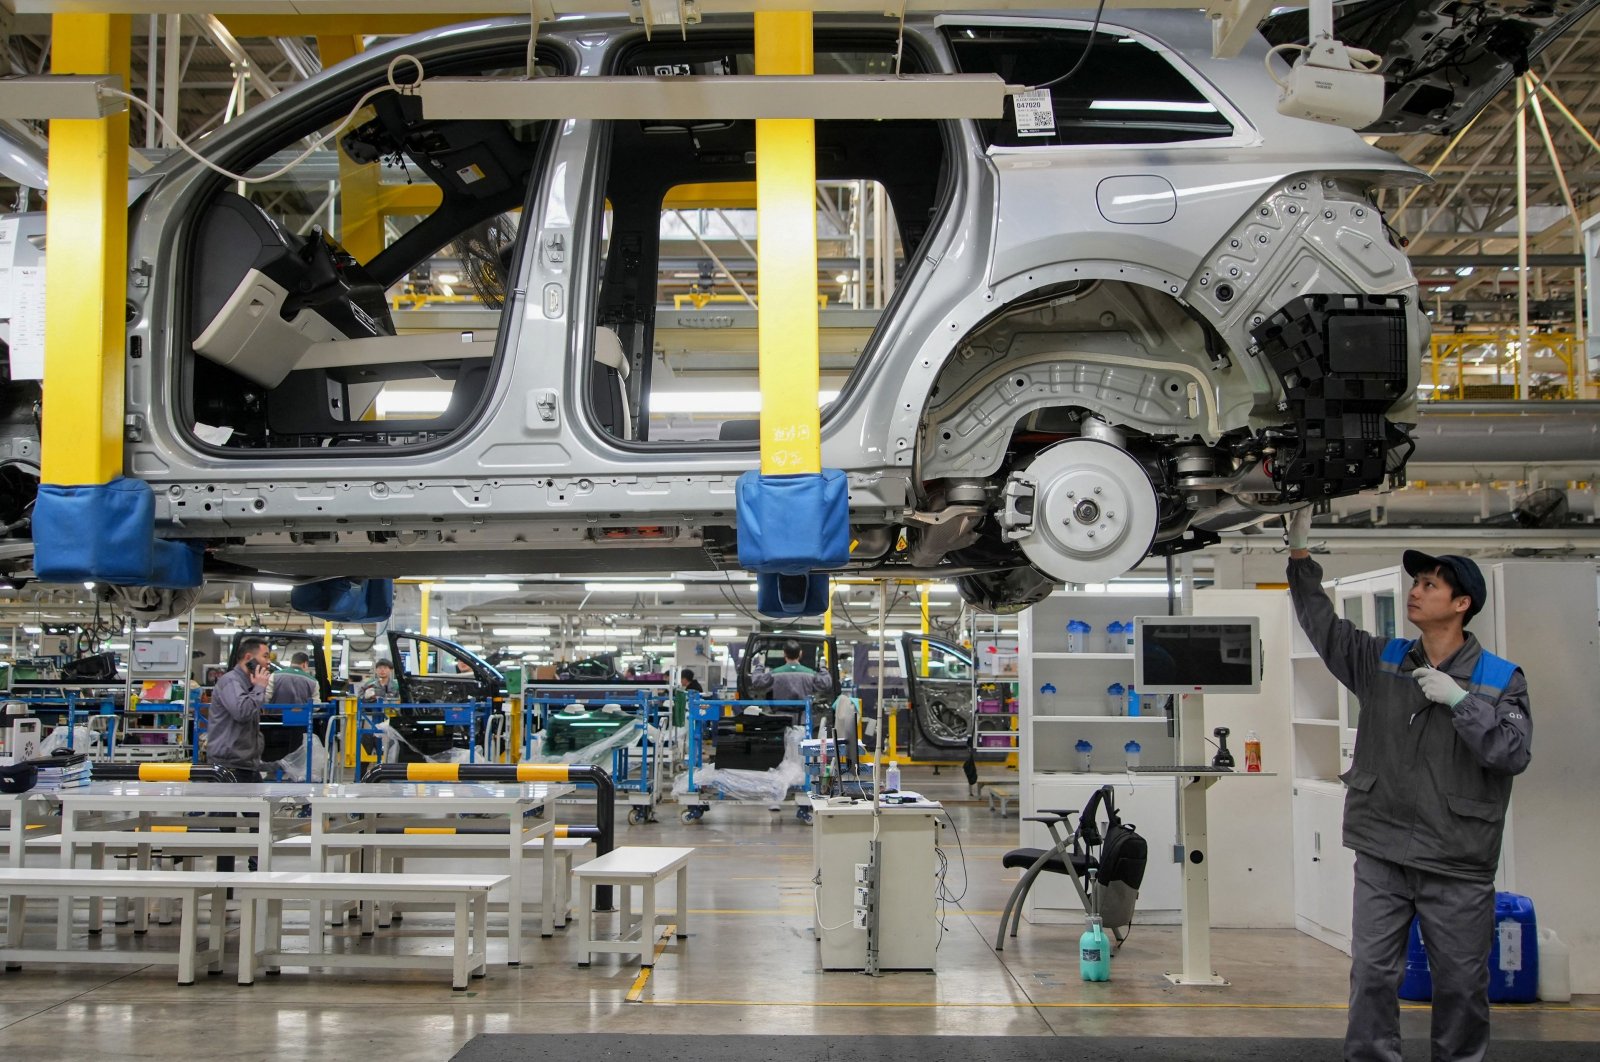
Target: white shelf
1084, 656
1316, 722
1099, 719
1304, 654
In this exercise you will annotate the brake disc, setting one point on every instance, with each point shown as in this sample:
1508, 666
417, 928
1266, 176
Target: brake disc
1083, 511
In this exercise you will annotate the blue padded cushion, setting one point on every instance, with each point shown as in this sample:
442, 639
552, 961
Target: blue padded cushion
178, 565
346, 600
792, 524
791, 595
105, 532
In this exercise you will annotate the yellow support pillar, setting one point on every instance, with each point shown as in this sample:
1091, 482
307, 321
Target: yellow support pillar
422, 647
327, 648
360, 198
925, 629
86, 259
786, 259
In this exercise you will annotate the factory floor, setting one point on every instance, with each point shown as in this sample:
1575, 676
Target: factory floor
749, 966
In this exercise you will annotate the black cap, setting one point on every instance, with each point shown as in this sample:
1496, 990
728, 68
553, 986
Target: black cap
1468, 576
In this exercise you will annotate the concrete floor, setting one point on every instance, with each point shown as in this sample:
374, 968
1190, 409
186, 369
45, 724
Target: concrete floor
749, 966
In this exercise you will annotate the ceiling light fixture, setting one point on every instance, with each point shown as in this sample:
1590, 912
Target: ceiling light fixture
634, 588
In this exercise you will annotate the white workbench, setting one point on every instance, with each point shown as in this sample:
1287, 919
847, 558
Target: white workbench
27, 816
348, 819
128, 815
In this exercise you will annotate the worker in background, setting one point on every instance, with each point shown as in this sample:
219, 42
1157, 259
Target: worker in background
1444, 728
294, 684
791, 681
382, 686
233, 723
688, 683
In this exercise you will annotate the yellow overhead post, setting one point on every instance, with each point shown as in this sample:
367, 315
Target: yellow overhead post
786, 259
86, 259
422, 647
360, 205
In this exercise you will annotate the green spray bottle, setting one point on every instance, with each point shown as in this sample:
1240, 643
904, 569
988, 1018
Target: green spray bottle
1094, 948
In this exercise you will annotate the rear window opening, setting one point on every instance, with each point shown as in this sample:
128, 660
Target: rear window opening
303, 329
674, 357
1125, 92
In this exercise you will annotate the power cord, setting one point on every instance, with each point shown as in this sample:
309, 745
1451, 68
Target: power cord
1083, 57
318, 140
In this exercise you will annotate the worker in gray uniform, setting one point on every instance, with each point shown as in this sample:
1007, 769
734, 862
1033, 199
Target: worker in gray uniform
1444, 728
791, 681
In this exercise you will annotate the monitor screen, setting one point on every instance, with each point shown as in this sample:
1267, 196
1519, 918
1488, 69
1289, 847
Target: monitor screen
1197, 654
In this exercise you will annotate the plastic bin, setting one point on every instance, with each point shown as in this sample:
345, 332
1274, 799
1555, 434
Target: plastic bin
1513, 957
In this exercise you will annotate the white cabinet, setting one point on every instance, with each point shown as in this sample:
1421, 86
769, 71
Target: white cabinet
1324, 869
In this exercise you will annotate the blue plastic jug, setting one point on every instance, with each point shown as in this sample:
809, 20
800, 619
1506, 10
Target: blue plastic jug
1094, 952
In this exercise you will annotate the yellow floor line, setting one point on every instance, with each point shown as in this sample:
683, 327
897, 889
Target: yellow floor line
1518, 1008
644, 974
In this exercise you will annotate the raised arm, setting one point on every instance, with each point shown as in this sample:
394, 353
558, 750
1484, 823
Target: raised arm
1349, 652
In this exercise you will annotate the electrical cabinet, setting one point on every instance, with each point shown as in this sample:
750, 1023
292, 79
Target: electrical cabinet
908, 923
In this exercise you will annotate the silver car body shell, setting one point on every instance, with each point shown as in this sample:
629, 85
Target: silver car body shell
512, 481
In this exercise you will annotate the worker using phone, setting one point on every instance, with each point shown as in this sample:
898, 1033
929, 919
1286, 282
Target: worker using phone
233, 725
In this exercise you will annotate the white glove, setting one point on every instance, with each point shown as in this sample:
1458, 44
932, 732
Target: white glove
1439, 687
1297, 529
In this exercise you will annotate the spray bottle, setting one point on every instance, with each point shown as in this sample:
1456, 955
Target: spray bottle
1094, 949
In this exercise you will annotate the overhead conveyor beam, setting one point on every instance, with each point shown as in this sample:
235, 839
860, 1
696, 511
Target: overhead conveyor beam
1232, 21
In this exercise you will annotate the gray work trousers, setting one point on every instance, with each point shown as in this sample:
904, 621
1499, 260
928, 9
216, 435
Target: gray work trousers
1457, 919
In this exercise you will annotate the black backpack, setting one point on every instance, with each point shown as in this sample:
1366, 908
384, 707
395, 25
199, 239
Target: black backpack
1123, 853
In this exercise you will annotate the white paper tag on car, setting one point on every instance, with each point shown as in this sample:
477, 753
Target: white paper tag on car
1036, 115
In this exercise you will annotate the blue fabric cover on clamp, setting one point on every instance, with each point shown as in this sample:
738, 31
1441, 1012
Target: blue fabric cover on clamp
106, 533
790, 525
791, 595
345, 600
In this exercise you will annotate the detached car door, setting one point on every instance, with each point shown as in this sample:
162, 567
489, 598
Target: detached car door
939, 684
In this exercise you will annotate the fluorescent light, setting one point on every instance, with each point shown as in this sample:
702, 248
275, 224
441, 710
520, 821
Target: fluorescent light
613, 632
448, 278
361, 663
473, 647
33, 630
271, 587
724, 632
729, 96
225, 632
1152, 105
716, 401
660, 648
520, 632
634, 588
117, 646
392, 403
88, 586
595, 648
463, 588
525, 648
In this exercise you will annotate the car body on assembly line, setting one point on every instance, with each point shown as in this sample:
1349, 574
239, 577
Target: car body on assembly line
1176, 312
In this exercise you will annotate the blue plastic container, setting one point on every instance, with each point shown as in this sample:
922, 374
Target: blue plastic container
1513, 957
1418, 981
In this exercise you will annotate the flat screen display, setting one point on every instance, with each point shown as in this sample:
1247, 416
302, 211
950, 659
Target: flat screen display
1197, 654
